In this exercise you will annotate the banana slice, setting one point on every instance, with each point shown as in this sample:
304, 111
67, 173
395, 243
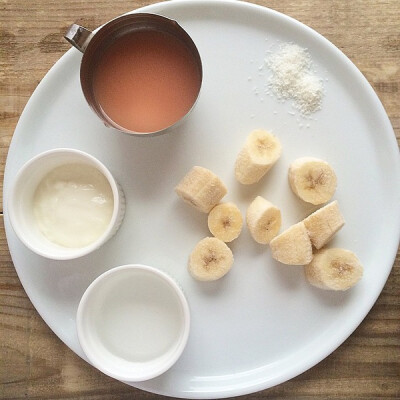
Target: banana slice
334, 269
225, 221
259, 153
293, 246
263, 220
312, 180
210, 260
323, 224
201, 188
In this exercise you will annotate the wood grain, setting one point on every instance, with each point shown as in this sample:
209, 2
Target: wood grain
34, 363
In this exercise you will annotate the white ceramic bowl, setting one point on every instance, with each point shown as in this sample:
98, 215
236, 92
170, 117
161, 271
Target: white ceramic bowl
133, 322
20, 203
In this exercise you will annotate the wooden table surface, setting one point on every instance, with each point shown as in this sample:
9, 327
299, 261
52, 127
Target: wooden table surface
34, 363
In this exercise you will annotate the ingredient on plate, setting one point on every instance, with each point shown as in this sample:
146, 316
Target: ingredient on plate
334, 269
210, 260
225, 221
263, 220
323, 224
201, 188
293, 78
73, 205
146, 80
312, 180
259, 153
293, 246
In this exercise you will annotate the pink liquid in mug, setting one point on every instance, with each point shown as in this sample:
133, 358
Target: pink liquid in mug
146, 81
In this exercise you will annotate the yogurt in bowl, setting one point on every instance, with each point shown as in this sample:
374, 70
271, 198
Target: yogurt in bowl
65, 204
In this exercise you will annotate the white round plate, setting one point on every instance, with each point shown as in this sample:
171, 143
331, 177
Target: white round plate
263, 323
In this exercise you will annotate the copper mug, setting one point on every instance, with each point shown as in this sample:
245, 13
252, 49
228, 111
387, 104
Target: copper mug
94, 44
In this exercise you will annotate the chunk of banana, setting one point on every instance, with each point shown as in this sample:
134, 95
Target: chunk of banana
201, 188
293, 246
323, 224
263, 220
334, 269
210, 260
259, 153
225, 221
312, 180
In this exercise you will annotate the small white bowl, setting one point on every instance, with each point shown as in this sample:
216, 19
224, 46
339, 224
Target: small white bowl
20, 203
133, 322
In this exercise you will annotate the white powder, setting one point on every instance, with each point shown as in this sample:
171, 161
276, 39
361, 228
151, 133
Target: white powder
292, 78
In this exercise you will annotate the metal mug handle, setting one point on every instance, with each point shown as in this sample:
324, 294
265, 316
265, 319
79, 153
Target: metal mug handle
78, 36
